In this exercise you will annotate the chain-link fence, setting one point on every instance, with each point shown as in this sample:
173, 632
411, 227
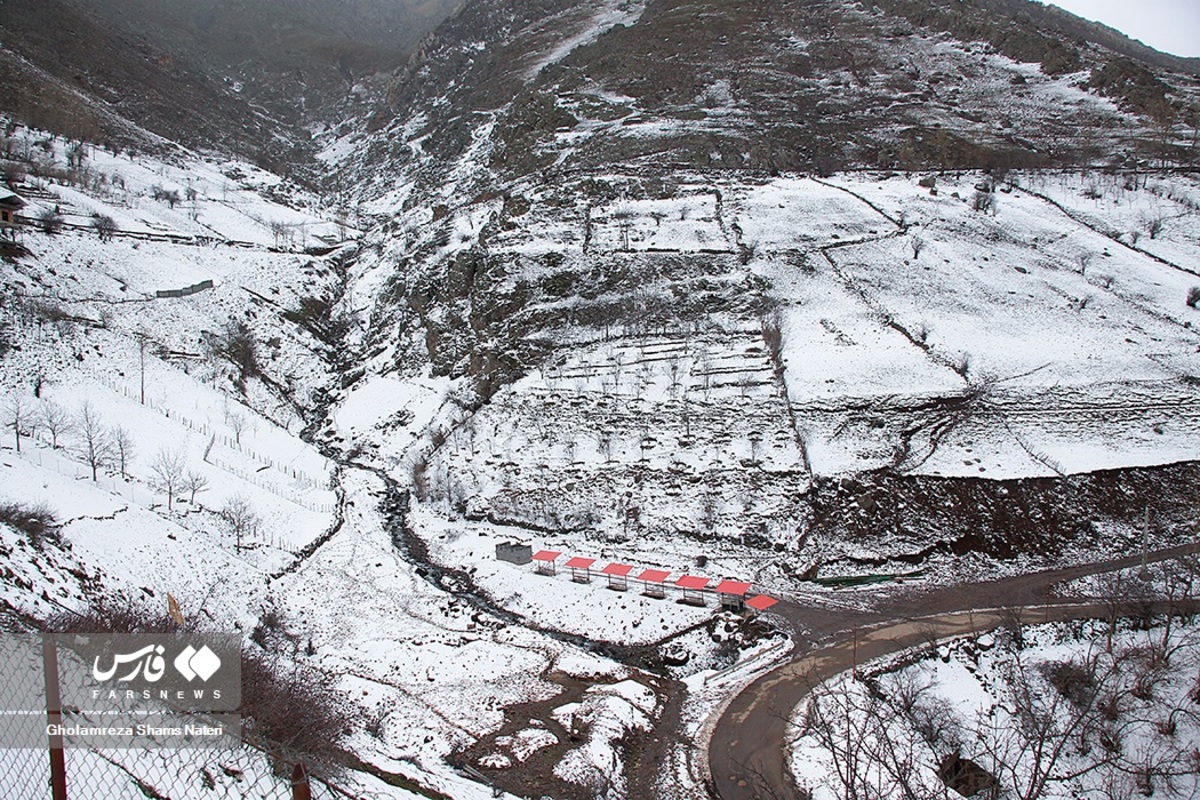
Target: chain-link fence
244, 774
38, 764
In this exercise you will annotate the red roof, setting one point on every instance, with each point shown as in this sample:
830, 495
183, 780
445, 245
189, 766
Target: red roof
546, 555
692, 582
761, 602
579, 562
619, 570
654, 576
733, 587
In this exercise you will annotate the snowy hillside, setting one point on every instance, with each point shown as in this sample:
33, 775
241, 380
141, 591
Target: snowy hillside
1071, 709
687, 358
788, 298
234, 371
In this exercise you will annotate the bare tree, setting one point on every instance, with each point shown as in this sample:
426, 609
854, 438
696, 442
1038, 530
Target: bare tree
1153, 224
18, 415
984, 201
241, 518
168, 196
282, 232
855, 728
76, 155
194, 483
1083, 261
238, 424
624, 217
94, 442
123, 448
168, 473
55, 419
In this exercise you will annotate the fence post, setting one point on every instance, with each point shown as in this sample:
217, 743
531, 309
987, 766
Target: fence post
300, 787
58, 762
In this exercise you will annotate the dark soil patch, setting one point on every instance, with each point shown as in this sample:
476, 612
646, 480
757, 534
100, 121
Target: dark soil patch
1003, 518
535, 776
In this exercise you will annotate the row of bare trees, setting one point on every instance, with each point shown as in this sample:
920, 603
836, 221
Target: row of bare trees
100, 446
96, 444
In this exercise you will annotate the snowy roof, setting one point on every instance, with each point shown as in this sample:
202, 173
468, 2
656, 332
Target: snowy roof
693, 582
619, 570
733, 587
10, 199
546, 555
761, 602
579, 562
654, 576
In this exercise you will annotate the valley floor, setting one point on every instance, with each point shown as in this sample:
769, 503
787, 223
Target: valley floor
799, 383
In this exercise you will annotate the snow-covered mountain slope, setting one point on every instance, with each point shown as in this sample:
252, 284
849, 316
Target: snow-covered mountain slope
89, 319
592, 282
235, 374
507, 90
629, 360
585, 222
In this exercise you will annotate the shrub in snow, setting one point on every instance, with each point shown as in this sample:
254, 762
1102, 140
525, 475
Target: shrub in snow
104, 226
290, 712
35, 521
14, 174
50, 221
1153, 225
237, 344
168, 196
1193, 296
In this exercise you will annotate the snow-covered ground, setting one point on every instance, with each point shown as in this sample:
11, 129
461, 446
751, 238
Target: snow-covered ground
1070, 709
187, 197
713, 349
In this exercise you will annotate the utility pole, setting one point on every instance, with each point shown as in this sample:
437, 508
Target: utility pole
142, 350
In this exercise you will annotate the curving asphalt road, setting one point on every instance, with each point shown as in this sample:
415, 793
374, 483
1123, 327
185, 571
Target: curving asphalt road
747, 751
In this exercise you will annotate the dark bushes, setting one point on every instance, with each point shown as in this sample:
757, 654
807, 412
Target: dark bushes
37, 522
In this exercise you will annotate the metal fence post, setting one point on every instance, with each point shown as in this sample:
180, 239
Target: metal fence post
58, 763
300, 787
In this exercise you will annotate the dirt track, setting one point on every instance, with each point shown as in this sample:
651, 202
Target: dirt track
747, 751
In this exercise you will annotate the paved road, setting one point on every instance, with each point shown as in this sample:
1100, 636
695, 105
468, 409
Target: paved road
747, 751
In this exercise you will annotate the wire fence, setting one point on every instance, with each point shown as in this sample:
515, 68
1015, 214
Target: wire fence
139, 495
37, 764
91, 774
54, 458
185, 775
302, 479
